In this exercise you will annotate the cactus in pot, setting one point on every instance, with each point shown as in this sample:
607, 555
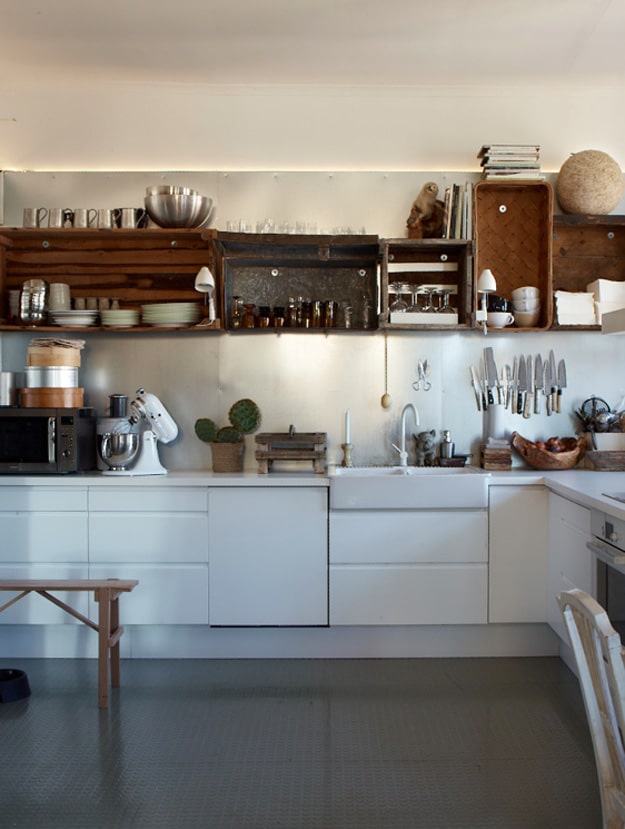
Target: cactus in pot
227, 442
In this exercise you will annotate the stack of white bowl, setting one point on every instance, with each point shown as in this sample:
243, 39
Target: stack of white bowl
170, 314
526, 306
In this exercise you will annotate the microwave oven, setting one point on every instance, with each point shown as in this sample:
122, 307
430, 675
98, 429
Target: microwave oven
47, 441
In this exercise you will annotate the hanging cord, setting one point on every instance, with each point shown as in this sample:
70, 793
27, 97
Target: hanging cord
385, 400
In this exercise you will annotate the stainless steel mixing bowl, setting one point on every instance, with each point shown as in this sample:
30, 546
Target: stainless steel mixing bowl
178, 209
118, 451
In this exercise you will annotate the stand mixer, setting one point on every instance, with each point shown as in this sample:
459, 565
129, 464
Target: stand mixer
128, 444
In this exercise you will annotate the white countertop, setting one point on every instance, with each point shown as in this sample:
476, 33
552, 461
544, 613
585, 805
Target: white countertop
583, 486
188, 478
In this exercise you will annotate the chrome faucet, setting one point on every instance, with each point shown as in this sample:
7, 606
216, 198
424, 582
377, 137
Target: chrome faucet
403, 455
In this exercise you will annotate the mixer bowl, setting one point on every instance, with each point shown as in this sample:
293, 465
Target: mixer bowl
118, 451
178, 209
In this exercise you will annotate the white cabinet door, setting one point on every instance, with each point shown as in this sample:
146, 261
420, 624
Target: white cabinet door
424, 594
160, 537
43, 524
268, 556
408, 567
517, 554
570, 561
176, 595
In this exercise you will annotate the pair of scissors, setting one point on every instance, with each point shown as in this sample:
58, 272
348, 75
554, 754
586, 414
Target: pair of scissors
423, 371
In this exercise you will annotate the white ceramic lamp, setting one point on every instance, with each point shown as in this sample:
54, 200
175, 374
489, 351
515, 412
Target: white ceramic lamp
486, 284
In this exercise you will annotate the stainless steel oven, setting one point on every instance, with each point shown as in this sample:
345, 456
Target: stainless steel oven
608, 548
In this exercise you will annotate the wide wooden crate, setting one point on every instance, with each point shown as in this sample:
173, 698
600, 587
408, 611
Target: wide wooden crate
513, 225
587, 248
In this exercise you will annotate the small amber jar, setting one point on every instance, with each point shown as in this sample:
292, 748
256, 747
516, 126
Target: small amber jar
249, 317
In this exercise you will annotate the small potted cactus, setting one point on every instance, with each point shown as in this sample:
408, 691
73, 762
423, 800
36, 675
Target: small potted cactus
227, 443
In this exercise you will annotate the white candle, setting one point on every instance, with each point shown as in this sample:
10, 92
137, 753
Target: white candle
347, 428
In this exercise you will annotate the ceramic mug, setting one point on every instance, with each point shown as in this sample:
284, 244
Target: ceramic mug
56, 217
107, 217
130, 217
34, 216
499, 319
85, 216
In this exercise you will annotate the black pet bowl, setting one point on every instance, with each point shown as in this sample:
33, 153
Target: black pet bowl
13, 685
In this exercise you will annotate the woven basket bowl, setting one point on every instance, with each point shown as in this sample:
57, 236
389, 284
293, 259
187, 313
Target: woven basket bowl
544, 459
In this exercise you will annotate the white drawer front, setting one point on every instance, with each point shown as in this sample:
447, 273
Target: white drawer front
148, 499
170, 537
164, 596
408, 595
43, 536
390, 536
36, 610
43, 498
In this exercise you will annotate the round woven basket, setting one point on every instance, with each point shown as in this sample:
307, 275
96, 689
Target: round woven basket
227, 457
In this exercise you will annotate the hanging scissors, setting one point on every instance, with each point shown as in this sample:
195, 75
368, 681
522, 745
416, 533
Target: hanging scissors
423, 371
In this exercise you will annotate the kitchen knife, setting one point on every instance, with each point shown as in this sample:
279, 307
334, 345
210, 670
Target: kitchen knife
554, 379
491, 374
507, 385
520, 404
547, 386
529, 397
538, 381
561, 382
514, 389
476, 388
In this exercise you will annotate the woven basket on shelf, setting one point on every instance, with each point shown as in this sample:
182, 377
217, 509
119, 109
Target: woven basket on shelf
227, 457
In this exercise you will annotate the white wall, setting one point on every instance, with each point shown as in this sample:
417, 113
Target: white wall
336, 156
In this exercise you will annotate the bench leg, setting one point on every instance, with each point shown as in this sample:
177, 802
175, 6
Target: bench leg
104, 633
114, 627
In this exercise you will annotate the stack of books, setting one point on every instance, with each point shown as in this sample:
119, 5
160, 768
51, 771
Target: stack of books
502, 162
457, 220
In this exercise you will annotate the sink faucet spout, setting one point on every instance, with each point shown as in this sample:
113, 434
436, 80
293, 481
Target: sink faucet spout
403, 455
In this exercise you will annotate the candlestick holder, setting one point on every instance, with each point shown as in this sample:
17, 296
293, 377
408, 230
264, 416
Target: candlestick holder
347, 455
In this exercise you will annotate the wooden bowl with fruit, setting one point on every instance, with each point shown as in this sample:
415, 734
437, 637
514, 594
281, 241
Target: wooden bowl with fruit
552, 454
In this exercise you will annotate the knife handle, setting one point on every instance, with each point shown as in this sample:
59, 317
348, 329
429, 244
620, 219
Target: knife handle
548, 402
520, 402
537, 403
558, 401
527, 407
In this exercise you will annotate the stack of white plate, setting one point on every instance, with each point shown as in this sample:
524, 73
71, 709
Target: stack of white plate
120, 317
74, 319
171, 314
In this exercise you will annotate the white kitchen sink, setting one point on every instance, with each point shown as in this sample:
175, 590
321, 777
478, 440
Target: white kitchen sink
412, 487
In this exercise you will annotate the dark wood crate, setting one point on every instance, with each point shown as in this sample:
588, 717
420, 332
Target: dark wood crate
513, 223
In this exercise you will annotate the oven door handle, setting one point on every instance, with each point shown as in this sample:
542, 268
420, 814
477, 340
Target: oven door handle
606, 554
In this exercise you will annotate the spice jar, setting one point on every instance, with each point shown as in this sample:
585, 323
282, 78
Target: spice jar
264, 316
291, 316
249, 317
330, 308
278, 316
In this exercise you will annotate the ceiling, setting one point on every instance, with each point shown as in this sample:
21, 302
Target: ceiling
336, 42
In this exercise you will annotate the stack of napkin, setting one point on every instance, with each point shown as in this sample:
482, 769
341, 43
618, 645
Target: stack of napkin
575, 308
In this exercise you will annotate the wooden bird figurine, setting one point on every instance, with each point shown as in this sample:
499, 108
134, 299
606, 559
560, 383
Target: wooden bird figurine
426, 215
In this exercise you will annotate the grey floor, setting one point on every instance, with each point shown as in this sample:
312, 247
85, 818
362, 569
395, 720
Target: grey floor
421, 744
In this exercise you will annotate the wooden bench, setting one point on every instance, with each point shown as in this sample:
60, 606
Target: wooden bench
106, 593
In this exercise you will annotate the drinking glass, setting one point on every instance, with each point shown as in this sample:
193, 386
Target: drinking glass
398, 304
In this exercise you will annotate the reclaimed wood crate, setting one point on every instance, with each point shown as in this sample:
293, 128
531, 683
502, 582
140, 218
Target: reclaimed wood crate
309, 447
585, 249
513, 224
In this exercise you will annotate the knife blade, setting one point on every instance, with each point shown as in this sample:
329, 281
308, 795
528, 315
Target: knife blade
554, 380
476, 388
538, 381
491, 374
514, 389
529, 397
561, 382
547, 386
520, 405
507, 385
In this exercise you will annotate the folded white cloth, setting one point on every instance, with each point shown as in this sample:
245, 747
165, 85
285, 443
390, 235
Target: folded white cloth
575, 308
